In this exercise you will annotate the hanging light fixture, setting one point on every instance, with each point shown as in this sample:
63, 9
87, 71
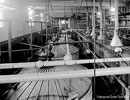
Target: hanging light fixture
116, 42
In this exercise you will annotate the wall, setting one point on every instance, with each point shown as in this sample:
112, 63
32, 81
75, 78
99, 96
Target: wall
19, 25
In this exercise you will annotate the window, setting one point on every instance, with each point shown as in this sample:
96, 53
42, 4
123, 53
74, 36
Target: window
2, 14
30, 15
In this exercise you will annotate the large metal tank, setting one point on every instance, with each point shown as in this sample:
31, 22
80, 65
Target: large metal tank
60, 50
59, 89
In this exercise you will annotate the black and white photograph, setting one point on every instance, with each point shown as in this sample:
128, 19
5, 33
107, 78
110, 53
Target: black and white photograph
64, 49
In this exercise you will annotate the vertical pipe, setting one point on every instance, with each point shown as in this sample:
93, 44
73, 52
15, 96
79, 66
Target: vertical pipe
87, 18
101, 17
9, 41
41, 27
41, 33
68, 50
104, 18
92, 17
46, 21
94, 79
31, 37
116, 15
101, 37
69, 26
127, 94
59, 23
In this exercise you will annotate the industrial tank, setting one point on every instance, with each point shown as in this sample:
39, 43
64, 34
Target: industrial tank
58, 89
60, 50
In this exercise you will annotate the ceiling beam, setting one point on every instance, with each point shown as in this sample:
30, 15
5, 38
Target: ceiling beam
61, 4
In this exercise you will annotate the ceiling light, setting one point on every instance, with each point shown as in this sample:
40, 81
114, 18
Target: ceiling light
62, 21
98, 13
113, 9
41, 14
116, 40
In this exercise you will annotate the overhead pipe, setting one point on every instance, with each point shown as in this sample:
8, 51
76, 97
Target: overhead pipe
33, 21
32, 45
20, 50
58, 63
64, 74
119, 27
54, 43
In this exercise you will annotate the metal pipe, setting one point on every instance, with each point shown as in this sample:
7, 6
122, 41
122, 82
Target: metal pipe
31, 37
101, 17
35, 21
116, 15
94, 66
64, 74
120, 27
59, 63
69, 42
20, 50
32, 45
67, 45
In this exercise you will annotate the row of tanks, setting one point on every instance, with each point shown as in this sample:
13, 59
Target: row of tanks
58, 89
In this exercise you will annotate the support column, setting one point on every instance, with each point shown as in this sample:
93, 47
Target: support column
87, 19
69, 24
31, 37
41, 33
127, 92
41, 27
94, 65
9, 42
